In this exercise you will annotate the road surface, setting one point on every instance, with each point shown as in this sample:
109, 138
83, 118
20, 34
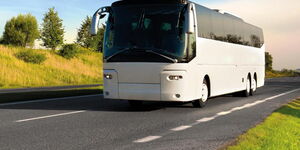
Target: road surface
90, 122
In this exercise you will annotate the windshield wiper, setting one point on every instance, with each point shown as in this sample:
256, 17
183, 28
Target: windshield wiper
162, 55
143, 50
117, 53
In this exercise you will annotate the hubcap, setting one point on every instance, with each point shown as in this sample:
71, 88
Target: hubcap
204, 93
254, 85
248, 85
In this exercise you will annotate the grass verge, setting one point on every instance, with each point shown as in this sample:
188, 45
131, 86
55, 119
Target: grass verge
280, 131
55, 71
283, 73
16, 97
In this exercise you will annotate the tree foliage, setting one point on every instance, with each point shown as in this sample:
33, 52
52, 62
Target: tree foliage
52, 30
86, 40
269, 61
21, 31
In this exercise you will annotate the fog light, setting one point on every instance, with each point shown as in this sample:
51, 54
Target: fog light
175, 77
107, 93
178, 95
108, 76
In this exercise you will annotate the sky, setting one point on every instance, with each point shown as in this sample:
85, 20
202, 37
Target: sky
279, 19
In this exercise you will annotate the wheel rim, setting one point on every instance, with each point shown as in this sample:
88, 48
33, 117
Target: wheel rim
248, 86
204, 93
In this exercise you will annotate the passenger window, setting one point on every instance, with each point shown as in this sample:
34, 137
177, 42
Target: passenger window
166, 27
218, 27
238, 32
204, 22
147, 23
134, 26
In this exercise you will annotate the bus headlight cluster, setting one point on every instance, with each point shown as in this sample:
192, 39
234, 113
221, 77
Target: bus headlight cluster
175, 77
108, 76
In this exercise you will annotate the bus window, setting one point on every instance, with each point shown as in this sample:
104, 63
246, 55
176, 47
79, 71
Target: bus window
217, 27
204, 22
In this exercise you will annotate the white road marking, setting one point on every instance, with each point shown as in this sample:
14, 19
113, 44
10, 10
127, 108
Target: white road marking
48, 100
51, 116
207, 119
181, 128
147, 139
223, 113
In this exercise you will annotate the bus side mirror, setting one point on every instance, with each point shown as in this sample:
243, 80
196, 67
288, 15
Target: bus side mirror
99, 14
102, 16
190, 23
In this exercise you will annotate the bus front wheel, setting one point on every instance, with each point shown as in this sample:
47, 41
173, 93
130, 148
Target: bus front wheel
200, 103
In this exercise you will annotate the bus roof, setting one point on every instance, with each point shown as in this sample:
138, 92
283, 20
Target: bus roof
122, 2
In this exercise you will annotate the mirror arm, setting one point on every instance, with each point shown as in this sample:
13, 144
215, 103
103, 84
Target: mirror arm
190, 17
96, 18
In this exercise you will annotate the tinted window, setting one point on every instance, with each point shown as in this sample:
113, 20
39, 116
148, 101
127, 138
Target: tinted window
224, 27
204, 22
144, 28
228, 28
261, 35
238, 32
254, 37
247, 35
217, 27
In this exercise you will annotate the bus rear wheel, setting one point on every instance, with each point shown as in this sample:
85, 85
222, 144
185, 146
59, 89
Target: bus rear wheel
253, 87
200, 103
247, 92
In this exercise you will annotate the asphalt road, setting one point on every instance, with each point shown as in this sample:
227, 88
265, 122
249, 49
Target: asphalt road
90, 122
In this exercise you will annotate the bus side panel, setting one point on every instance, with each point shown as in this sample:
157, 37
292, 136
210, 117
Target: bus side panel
228, 65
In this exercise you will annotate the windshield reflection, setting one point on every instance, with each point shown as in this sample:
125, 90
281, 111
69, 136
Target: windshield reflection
156, 28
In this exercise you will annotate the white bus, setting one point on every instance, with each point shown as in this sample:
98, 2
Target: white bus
177, 50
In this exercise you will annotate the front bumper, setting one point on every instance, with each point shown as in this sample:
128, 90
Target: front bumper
166, 90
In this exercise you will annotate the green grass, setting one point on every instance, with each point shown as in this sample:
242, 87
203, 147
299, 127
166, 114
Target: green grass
55, 71
280, 131
283, 73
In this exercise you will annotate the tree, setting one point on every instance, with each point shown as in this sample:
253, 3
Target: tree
269, 61
100, 37
52, 30
1, 40
84, 37
21, 31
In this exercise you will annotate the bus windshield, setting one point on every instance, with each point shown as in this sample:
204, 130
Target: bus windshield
131, 30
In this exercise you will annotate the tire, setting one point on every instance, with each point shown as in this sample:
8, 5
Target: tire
135, 103
253, 87
200, 103
247, 92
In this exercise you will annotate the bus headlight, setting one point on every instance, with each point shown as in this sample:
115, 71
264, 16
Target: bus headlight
175, 77
108, 76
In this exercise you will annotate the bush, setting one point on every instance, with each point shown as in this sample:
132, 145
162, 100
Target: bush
69, 51
30, 56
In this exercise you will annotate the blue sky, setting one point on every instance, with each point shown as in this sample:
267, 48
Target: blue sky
279, 19
71, 11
